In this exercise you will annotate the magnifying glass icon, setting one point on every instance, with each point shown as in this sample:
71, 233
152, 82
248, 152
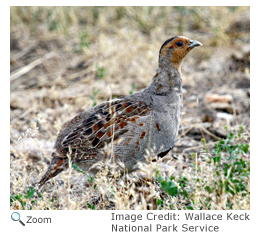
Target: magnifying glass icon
16, 217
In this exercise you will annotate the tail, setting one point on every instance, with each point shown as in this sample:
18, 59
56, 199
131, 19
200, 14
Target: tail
56, 166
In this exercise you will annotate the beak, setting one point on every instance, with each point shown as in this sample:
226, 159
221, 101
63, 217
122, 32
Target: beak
194, 43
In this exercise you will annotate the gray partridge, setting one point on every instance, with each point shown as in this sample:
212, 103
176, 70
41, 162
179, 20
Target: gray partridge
130, 125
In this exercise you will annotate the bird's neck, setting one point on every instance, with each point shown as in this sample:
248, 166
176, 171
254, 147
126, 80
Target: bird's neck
167, 80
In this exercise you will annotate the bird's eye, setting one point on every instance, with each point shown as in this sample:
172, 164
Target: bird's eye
179, 44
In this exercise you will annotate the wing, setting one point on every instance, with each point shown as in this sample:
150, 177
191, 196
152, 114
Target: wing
109, 121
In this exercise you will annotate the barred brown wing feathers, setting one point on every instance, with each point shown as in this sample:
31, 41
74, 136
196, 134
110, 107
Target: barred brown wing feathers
109, 120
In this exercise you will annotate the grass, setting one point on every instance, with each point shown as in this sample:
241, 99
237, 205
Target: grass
117, 47
145, 19
216, 183
94, 96
101, 72
227, 185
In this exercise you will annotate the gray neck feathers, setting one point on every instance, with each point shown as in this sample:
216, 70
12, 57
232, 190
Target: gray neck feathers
167, 79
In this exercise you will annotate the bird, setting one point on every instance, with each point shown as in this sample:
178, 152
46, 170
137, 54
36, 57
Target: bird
121, 130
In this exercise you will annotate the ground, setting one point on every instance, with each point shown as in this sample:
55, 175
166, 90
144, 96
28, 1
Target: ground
65, 60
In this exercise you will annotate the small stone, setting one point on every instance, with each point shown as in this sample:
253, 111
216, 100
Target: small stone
211, 98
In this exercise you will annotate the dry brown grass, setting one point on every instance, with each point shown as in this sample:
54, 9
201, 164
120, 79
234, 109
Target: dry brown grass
93, 48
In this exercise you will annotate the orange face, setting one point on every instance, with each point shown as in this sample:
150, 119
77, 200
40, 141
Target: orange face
180, 47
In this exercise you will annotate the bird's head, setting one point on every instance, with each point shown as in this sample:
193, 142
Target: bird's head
175, 49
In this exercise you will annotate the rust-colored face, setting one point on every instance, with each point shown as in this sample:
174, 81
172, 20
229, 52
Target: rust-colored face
178, 46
